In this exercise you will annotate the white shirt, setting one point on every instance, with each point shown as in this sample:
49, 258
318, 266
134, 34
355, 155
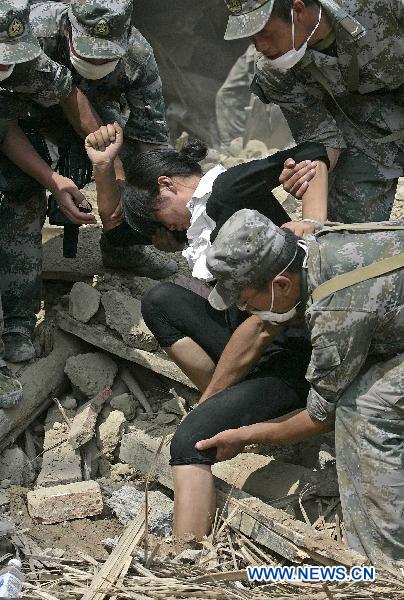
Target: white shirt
201, 227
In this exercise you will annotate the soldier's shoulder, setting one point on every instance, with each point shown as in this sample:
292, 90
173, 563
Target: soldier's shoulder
139, 49
46, 17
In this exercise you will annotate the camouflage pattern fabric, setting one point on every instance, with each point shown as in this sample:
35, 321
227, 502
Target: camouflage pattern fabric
21, 261
357, 377
369, 439
356, 369
17, 44
2, 362
40, 82
376, 106
99, 28
131, 94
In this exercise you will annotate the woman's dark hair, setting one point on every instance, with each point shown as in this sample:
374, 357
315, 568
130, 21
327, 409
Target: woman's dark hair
141, 197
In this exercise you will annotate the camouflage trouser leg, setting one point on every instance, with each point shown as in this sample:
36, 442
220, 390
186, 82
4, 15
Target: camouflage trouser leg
361, 189
369, 434
21, 261
2, 363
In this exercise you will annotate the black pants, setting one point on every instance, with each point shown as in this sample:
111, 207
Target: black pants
275, 387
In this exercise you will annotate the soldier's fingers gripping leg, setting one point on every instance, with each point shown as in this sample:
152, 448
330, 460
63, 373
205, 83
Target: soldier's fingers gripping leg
369, 437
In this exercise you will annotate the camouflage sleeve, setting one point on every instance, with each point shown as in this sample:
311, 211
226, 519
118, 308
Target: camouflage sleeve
232, 99
303, 107
52, 82
341, 341
14, 106
147, 119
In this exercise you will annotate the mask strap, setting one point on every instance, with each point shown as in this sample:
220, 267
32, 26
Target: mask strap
318, 23
293, 26
302, 244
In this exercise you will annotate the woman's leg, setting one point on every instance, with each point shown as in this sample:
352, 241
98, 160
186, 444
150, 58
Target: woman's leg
251, 401
193, 335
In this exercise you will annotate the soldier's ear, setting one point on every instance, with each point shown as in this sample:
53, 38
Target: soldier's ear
66, 30
283, 283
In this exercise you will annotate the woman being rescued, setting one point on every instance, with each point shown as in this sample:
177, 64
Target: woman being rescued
246, 370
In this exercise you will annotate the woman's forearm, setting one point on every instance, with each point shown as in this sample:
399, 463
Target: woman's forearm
314, 201
108, 193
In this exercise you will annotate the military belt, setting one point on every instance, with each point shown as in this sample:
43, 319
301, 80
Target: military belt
381, 267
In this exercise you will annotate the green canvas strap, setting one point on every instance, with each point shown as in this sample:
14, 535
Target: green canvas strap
352, 84
340, 282
360, 227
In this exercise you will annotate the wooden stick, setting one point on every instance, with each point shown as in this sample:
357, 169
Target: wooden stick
117, 560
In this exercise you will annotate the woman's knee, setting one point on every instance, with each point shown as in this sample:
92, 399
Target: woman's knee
183, 451
156, 301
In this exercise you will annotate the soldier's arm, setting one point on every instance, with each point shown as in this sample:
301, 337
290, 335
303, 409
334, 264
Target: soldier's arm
309, 121
84, 119
341, 339
241, 354
292, 428
146, 127
19, 150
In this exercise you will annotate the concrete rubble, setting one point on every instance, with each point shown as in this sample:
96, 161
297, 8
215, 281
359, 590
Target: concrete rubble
65, 502
15, 467
91, 373
82, 429
127, 502
123, 314
84, 301
61, 463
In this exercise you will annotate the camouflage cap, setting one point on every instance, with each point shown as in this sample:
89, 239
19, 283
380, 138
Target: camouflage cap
247, 18
248, 246
100, 28
17, 42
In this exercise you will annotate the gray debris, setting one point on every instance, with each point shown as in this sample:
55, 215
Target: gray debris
16, 467
128, 501
84, 301
123, 314
91, 373
126, 404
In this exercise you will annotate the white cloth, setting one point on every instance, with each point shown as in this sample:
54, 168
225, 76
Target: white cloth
201, 227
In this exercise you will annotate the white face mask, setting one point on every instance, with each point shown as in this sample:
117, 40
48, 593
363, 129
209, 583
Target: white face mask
90, 71
279, 318
291, 58
6, 74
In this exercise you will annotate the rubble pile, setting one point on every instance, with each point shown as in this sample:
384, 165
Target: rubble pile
86, 494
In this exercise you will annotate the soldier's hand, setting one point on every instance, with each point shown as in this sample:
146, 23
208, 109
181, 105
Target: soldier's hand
69, 198
295, 178
165, 241
103, 145
228, 444
300, 228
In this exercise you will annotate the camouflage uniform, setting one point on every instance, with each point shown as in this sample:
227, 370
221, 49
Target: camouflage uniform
134, 87
22, 206
357, 377
363, 184
240, 114
356, 370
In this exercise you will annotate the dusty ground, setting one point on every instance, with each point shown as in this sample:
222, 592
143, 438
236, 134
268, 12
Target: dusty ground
81, 535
